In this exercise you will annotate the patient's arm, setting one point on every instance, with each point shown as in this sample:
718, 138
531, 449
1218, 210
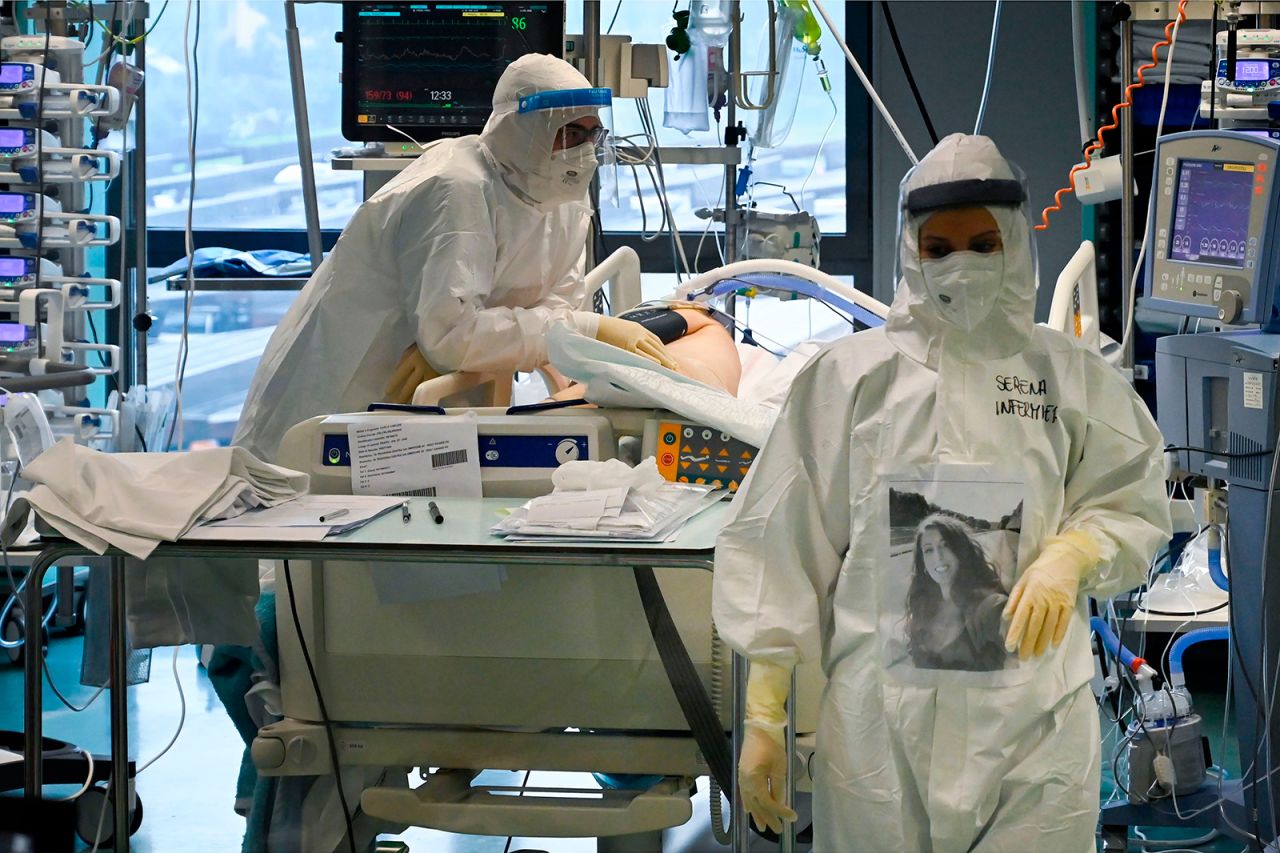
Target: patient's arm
554, 379
705, 353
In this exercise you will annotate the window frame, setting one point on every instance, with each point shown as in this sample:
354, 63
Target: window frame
846, 254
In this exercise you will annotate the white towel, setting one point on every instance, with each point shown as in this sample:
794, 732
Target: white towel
1192, 55
134, 501
583, 475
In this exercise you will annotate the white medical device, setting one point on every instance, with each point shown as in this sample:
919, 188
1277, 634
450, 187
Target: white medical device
57, 165
19, 272
629, 70
25, 141
1239, 97
24, 429
24, 435
20, 84
45, 290
775, 235
518, 453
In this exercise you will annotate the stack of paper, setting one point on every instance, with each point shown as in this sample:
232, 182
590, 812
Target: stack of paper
653, 514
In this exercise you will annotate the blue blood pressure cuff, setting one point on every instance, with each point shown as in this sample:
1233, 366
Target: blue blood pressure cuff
967, 193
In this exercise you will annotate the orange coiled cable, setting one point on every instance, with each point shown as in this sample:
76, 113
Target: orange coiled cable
1127, 103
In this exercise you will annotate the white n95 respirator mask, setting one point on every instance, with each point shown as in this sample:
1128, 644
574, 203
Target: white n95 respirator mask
566, 177
965, 286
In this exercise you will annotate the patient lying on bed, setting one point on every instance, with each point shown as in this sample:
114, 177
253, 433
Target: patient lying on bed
699, 339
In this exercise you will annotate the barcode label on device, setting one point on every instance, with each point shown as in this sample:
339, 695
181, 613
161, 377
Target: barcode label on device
428, 492
453, 457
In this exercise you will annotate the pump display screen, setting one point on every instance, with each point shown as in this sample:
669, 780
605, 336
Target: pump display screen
11, 73
10, 138
1251, 70
13, 333
13, 202
1211, 212
13, 267
430, 68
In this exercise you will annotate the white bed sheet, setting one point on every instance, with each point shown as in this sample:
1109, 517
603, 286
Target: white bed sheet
615, 377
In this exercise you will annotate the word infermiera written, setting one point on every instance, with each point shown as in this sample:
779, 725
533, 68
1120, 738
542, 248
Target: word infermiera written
1028, 409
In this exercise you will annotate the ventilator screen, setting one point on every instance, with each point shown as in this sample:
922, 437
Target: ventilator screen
1211, 213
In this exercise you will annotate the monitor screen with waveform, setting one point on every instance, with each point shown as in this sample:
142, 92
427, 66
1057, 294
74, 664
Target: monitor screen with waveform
1211, 212
429, 69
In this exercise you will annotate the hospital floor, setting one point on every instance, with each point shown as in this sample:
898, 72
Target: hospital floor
188, 793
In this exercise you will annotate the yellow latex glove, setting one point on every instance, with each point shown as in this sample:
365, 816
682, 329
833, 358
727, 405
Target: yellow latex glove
1044, 598
762, 766
412, 370
632, 337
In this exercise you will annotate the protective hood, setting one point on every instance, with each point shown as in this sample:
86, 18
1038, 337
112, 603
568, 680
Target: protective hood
521, 144
964, 167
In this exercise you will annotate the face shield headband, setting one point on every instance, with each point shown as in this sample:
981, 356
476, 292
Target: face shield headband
561, 102
966, 193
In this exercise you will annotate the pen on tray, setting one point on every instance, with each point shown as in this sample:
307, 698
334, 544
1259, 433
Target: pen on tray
337, 513
436, 516
404, 512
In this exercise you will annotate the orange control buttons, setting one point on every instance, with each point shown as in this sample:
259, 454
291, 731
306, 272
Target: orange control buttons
709, 462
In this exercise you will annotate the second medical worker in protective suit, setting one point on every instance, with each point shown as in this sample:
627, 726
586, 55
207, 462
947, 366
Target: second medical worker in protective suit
960, 404
472, 253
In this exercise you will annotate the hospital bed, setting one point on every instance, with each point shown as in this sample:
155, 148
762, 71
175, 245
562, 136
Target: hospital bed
428, 663
474, 667
1074, 309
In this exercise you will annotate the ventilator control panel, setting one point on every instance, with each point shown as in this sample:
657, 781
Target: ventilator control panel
690, 453
1213, 214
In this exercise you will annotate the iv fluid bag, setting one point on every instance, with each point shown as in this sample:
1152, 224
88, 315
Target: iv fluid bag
709, 22
685, 100
771, 127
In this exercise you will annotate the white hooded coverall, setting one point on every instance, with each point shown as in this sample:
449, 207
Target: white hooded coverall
462, 253
912, 759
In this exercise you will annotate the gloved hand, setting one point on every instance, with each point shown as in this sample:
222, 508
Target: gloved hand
1044, 598
762, 766
412, 370
632, 337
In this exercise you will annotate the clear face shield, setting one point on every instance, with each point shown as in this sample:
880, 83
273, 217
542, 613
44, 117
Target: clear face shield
576, 125
959, 241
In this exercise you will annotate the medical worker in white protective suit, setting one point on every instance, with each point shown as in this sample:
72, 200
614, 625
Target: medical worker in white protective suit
472, 253
958, 404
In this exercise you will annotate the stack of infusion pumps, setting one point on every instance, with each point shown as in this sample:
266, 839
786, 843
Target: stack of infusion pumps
50, 168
